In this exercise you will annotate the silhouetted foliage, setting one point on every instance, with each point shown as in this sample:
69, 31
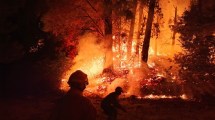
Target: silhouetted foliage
197, 62
32, 61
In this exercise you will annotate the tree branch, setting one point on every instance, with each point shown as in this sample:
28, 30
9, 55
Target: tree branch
96, 26
91, 5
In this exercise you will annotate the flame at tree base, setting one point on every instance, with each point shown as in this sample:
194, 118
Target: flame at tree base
157, 79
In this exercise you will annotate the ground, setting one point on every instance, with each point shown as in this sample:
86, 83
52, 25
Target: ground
40, 107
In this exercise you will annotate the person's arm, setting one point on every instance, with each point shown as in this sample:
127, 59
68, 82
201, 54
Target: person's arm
122, 108
118, 105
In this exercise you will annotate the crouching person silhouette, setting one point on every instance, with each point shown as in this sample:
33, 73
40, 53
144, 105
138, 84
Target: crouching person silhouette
110, 104
74, 106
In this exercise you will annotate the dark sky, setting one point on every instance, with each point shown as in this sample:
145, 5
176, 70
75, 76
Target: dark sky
7, 9
9, 14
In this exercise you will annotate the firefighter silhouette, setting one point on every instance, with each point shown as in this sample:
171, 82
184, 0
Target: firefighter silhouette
110, 104
74, 106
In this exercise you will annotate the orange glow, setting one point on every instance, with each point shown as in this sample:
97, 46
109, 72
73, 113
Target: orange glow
128, 70
159, 96
184, 97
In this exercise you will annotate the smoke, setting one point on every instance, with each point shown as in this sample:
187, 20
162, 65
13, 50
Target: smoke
163, 44
92, 54
90, 59
135, 77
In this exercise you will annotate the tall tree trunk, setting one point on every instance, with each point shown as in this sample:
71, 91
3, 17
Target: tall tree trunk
146, 41
174, 32
131, 33
108, 32
117, 40
156, 40
108, 17
140, 25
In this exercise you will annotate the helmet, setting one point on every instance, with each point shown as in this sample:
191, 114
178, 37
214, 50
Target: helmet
118, 90
78, 77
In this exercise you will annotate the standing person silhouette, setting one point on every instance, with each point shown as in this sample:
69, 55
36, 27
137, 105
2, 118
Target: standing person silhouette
74, 106
110, 104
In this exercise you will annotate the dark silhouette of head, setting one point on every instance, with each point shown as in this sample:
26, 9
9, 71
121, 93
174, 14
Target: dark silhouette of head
118, 90
78, 80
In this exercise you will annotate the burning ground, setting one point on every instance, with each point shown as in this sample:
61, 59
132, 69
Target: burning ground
158, 77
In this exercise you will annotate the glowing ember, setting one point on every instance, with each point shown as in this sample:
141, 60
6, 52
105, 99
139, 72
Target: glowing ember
127, 69
159, 97
184, 97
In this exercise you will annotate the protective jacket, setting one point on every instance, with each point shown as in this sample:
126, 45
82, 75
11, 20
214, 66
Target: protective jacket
74, 106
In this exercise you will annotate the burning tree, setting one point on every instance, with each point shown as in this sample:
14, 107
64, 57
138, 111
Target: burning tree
68, 19
148, 30
105, 37
198, 40
116, 29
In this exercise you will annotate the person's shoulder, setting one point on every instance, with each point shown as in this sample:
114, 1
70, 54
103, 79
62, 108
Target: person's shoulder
113, 94
110, 94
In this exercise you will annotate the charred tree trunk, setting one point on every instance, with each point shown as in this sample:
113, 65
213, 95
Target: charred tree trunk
108, 17
131, 33
146, 41
140, 25
108, 32
156, 40
174, 32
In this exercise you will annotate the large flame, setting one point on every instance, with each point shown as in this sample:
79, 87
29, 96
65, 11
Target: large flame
129, 70
90, 59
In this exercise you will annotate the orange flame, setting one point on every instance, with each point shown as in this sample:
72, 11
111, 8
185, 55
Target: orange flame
91, 57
